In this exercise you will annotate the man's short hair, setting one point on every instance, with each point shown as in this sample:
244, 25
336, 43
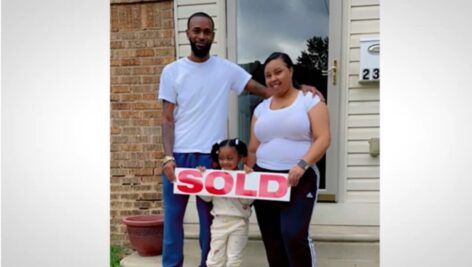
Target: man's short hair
201, 14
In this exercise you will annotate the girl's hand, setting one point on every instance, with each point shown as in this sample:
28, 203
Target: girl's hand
294, 175
202, 169
247, 169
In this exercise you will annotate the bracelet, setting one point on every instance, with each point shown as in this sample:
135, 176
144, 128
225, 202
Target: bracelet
167, 159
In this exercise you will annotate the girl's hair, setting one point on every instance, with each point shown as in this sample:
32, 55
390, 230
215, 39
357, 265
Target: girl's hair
288, 62
239, 145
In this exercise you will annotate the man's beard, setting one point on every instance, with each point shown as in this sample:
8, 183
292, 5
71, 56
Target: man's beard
200, 52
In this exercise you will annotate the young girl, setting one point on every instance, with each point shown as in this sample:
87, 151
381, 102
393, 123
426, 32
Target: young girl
229, 230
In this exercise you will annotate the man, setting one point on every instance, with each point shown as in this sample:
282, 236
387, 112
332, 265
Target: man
194, 91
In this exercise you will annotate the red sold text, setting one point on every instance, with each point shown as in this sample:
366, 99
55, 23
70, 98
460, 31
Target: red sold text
256, 185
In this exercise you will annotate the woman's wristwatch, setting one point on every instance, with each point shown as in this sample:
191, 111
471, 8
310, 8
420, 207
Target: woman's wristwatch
167, 159
303, 164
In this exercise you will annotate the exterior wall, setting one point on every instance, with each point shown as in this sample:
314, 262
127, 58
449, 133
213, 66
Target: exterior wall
142, 42
362, 181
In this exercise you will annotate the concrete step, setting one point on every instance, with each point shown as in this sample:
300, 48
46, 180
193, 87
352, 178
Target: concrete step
329, 254
335, 233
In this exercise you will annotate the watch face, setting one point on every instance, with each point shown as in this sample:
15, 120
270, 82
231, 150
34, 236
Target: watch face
303, 165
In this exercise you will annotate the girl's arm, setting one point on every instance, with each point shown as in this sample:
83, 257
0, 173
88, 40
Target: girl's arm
319, 123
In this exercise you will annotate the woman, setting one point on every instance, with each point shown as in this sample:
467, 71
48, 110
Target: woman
289, 134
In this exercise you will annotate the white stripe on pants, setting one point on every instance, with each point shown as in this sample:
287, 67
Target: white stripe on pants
229, 235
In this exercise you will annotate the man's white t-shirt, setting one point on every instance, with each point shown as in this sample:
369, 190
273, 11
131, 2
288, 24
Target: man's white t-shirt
200, 92
285, 134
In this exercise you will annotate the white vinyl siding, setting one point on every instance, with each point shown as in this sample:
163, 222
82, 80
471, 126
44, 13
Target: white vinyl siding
185, 8
363, 118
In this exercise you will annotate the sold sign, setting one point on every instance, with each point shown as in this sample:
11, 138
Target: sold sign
254, 185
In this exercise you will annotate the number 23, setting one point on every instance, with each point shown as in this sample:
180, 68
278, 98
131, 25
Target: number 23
366, 74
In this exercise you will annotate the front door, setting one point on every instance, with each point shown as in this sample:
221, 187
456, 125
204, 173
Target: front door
309, 31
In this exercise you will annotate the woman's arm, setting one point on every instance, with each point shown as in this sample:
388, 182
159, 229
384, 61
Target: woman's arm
319, 123
321, 134
253, 145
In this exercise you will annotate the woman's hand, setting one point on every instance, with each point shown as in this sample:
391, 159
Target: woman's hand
294, 175
247, 169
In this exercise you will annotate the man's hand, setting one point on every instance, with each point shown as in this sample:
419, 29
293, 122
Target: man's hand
169, 170
308, 88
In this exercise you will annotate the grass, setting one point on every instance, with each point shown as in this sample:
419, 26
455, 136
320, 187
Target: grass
116, 253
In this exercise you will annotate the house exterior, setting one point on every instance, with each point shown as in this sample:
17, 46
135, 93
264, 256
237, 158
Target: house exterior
148, 34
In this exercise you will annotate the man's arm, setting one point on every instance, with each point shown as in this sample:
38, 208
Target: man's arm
265, 92
168, 167
258, 89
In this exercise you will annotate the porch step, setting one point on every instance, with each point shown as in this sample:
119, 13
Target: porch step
329, 233
329, 254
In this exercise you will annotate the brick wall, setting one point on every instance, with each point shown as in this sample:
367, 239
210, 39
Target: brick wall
142, 42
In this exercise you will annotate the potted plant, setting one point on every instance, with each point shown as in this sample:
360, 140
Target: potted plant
145, 233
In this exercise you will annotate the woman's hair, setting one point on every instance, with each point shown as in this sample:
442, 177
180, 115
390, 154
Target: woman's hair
239, 145
285, 58
288, 62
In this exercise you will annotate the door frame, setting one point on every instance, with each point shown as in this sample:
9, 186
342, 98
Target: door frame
334, 159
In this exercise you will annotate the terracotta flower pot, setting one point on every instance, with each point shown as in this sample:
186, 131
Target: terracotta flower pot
145, 233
